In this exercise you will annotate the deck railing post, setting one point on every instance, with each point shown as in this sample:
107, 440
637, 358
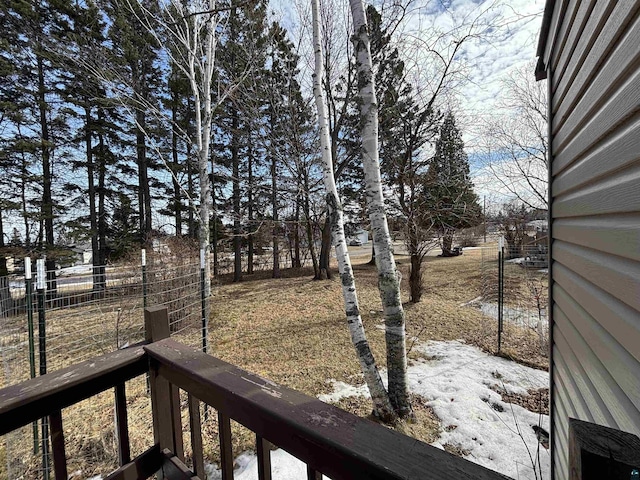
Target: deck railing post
57, 445
264, 458
196, 436
165, 398
122, 424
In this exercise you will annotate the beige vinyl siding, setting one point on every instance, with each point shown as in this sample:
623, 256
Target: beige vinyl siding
613, 153
560, 457
580, 12
592, 56
583, 55
617, 193
615, 234
598, 362
608, 19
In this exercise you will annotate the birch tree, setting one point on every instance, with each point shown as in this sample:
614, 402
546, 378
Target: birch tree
388, 275
382, 405
191, 30
187, 31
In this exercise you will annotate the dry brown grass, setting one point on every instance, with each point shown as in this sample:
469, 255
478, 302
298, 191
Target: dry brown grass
292, 330
536, 400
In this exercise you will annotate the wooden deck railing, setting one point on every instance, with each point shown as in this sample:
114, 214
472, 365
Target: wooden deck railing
329, 440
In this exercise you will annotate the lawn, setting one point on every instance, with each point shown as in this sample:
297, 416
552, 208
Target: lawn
292, 330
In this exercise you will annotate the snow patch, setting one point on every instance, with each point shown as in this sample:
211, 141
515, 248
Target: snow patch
515, 260
523, 317
457, 381
283, 467
343, 390
76, 270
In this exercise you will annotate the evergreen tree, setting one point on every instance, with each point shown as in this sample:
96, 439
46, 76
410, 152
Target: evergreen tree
123, 231
39, 120
179, 103
134, 56
447, 189
283, 98
237, 123
9, 110
85, 39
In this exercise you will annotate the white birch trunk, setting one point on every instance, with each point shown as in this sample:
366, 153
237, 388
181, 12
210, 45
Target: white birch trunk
189, 34
198, 39
388, 276
382, 405
197, 42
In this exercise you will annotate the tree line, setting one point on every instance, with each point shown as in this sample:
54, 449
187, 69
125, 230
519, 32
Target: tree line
103, 111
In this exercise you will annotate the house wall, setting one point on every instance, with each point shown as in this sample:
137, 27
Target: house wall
363, 236
591, 53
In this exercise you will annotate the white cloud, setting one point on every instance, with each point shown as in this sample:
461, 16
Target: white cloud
508, 35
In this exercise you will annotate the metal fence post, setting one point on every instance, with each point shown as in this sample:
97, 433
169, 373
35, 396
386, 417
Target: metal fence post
500, 290
203, 300
28, 292
41, 285
143, 254
203, 312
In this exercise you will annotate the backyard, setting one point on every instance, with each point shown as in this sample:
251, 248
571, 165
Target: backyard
292, 331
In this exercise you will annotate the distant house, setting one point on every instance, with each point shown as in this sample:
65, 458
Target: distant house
361, 235
82, 254
538, 226
14, 265
589, 51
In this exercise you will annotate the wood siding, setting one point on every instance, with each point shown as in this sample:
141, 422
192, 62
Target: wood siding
592, 60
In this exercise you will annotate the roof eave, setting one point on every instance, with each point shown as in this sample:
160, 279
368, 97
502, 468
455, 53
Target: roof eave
541, 71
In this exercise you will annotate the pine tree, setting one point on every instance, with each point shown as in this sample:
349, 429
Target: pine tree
447, 189
283, 98
123, 231
9, 155
178, 103
238, 118
39, 122
84, 38
134, 55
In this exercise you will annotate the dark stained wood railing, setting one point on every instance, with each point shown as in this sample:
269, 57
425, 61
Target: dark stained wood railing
329, 440
28, 401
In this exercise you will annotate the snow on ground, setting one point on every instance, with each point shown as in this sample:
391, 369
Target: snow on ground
456, 379
75, 270
283, 467
516, 260
523, 317
457, 383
